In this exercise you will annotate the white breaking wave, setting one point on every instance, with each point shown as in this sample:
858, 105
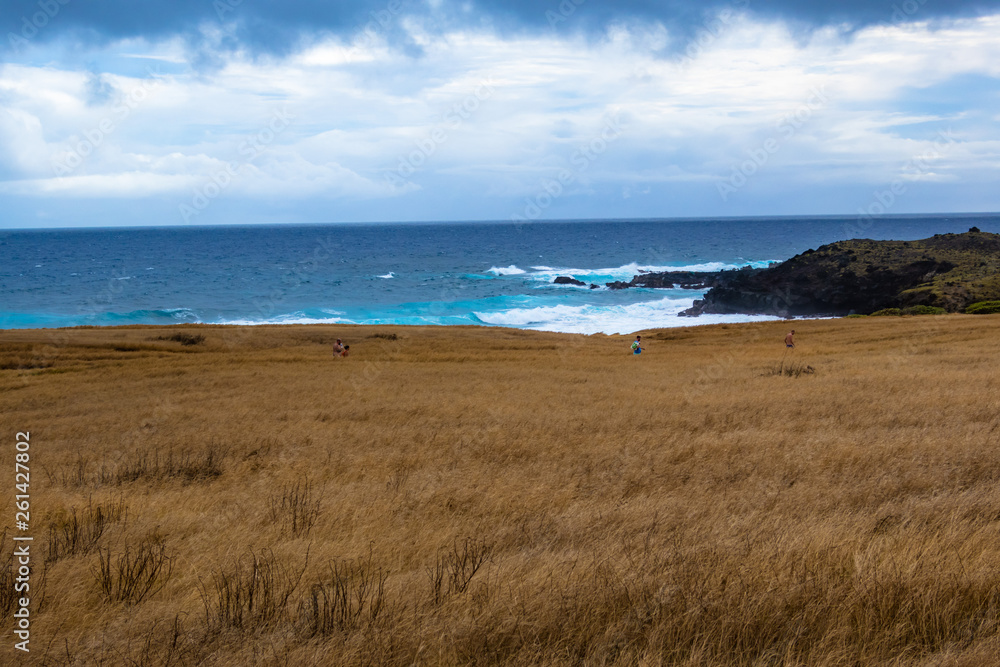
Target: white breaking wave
506, 271
181, 313
626, 272
546, 274
329, 316
283, 320
388, 275
585, 319
619, 319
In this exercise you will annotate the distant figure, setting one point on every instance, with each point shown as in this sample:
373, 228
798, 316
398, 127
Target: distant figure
790, 338
347, 348
338, 349
637, 345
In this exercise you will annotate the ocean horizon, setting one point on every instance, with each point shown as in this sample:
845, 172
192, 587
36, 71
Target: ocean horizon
407, 273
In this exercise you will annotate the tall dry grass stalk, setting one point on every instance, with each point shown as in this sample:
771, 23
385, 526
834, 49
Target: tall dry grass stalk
450, 496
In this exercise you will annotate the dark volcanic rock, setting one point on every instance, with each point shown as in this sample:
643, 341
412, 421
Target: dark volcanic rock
670, 279
694, 310
682, 279
947, 270
566, 280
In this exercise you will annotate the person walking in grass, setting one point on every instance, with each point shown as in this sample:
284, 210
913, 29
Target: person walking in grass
338, 349
790, 339
637, 345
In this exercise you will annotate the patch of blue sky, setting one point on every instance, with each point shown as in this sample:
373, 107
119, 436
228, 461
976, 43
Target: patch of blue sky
969, 93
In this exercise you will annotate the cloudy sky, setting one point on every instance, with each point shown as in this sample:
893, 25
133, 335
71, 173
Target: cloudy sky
250, 111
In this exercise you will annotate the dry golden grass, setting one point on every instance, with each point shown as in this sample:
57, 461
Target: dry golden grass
453, 496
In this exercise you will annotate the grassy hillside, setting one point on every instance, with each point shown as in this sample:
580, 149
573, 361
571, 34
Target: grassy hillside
955, 269
453, 496
949, 271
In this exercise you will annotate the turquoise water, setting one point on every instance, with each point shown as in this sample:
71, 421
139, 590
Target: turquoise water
497, 274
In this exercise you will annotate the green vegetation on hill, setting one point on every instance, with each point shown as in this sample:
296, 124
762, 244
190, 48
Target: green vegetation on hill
946, 271
911, 310
984, 308
957, 269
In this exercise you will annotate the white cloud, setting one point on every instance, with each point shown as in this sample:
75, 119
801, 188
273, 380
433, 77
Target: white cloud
359, 111
21, 137
114, 186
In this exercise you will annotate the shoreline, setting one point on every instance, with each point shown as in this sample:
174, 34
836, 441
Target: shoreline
689, 322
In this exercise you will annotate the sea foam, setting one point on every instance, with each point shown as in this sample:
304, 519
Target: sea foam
506, 271
615, 319
546, 274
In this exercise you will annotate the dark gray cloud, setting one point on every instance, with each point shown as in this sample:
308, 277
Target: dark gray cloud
264, 26
692, 12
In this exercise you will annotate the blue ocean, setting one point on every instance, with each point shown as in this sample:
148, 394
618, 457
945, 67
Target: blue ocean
490, 274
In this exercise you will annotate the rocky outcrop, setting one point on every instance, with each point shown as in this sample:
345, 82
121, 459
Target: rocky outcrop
948, 271
566, 280
671, 279
678, 279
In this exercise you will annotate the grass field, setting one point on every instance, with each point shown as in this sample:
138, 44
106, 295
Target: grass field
454, 496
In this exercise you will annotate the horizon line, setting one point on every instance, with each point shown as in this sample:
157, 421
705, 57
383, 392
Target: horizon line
753, 218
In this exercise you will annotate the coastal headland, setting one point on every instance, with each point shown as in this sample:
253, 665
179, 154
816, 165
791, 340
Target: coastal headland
450, 496
947, 271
